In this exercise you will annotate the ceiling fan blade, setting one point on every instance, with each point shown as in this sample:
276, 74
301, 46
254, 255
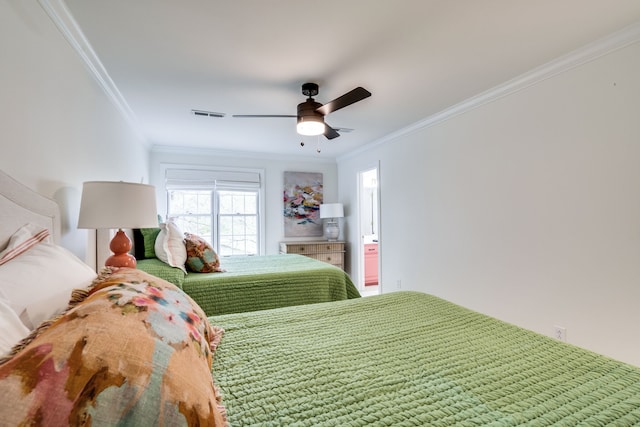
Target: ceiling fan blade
253, 116
357, 94
330, 132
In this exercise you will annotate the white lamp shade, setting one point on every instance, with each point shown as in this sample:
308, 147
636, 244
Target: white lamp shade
119, 204
331, 210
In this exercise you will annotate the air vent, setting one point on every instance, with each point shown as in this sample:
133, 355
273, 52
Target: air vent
207, 113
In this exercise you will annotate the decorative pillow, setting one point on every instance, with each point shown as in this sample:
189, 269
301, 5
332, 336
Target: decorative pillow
135, 351
169, 246
145, 241
38, 283
201, 258
26, 237
13, 330
138, 244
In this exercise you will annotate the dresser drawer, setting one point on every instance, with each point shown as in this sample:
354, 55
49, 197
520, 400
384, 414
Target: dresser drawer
303, 249
311, 248
336, 258
329, 252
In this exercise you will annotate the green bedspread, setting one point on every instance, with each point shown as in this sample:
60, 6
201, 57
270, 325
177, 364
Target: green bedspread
410, 359
262, 282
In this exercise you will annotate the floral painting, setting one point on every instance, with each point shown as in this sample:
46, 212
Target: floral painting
302, 199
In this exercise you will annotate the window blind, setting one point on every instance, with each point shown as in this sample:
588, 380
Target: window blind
177, 179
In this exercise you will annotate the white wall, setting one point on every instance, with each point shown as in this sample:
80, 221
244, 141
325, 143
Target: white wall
526, 208
274, 167
58, 127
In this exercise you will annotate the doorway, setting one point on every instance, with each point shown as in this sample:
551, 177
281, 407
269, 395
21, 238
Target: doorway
369, 231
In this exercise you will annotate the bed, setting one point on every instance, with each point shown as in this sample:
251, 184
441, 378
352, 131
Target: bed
411, 359
121, 348
252, 283
134, 349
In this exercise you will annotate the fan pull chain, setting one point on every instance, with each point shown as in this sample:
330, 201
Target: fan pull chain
318, 150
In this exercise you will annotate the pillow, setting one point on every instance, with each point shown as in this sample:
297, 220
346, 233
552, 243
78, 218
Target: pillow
134, 351
26, 237
138, 244
38, 283
169, 246
13, 330
201, 258
144, 242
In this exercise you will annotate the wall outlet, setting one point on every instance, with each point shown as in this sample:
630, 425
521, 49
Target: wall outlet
560, 333
398, 284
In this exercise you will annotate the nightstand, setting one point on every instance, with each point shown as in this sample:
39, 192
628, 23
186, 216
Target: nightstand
329, 252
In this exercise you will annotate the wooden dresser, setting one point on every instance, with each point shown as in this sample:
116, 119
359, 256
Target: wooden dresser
323, 250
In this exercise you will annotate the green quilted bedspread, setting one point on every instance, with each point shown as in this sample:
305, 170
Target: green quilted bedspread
264, 282
410, 359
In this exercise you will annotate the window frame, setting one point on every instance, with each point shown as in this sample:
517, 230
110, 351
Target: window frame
214, 187
218, 215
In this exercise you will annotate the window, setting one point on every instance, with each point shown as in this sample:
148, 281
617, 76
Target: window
238, 222
192, 211
223, 212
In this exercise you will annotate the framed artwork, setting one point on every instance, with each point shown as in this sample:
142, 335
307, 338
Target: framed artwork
302, 200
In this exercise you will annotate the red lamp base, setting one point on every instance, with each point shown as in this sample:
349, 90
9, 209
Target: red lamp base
120, 246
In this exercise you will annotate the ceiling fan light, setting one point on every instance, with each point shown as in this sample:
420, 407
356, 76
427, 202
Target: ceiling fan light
310, 126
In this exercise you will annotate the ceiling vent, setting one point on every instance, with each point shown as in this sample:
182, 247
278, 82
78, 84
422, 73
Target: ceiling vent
207, 113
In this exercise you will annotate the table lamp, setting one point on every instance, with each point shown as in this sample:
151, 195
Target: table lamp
332, 211
108, 205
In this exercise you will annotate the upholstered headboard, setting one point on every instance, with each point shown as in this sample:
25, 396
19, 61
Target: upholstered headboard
20, 205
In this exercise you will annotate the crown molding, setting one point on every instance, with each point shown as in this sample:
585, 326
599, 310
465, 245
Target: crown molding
205, 151
615, 41
61, 16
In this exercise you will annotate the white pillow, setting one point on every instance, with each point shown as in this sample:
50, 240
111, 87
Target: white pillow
13, 330
170, 247
38, 283
22, 240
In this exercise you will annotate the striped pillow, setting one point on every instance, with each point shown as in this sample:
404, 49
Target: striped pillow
26, 237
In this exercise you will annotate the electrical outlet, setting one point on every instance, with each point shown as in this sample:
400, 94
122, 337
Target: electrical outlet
560, 333
399, 284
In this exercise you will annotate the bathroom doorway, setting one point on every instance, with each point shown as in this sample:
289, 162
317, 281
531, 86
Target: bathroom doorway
369, 231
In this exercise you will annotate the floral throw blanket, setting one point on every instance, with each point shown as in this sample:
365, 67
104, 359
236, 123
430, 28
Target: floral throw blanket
132, 350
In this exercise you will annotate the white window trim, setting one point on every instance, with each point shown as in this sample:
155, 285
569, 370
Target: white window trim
216, 222
164, 167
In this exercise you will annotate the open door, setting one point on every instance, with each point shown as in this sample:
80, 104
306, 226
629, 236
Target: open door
369, 224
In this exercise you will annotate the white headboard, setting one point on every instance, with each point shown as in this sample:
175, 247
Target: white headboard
20, 205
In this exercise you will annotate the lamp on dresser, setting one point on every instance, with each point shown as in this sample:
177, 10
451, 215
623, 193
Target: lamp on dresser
332, 211
109, 205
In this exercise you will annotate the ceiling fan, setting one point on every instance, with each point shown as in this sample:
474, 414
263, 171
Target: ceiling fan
311, 113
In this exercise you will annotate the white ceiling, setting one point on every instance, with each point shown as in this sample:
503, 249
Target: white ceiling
417, 57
